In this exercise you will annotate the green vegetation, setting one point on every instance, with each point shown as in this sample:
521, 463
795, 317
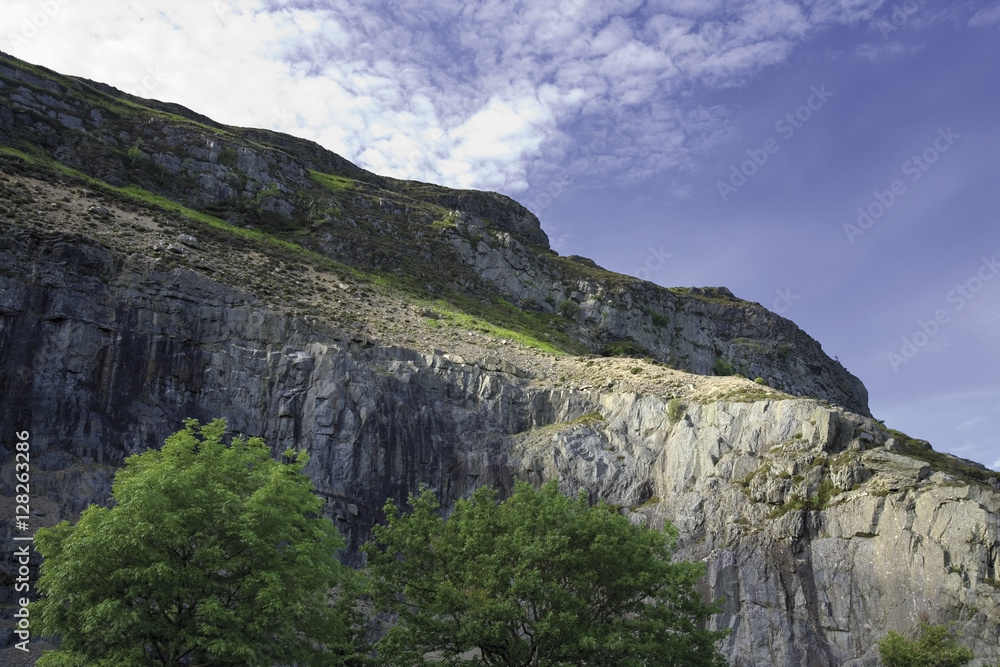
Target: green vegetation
540, 579
812, 503
503, 320
336, 184
708, 295
723, 366
590, 419
624, 348
211, 553
569, 309
749, 394
228, 157
760, 380
658, 320
675, 410
449, 221
135, 153
935, 647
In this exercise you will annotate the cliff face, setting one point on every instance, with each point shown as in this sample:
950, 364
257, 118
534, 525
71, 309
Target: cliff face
448, 243
821, 532
118, 319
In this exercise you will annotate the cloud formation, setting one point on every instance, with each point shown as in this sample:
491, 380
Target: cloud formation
495, 94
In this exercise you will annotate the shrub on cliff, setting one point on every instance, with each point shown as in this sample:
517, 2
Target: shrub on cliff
540, 579
211, 554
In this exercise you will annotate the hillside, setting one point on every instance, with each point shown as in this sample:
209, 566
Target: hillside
155, 265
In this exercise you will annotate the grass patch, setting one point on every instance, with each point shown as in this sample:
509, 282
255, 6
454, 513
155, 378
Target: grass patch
589, 419
336, 184
495, 317
748, 394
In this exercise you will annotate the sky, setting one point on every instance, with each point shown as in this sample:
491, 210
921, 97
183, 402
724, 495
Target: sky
837, 161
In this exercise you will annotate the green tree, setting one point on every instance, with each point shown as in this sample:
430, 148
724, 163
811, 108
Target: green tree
935, 647
540, 580
211, 554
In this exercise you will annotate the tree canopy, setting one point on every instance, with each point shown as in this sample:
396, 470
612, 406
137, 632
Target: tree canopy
211, 554
540, 579
935, 647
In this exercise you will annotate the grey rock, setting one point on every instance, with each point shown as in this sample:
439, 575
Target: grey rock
121, 352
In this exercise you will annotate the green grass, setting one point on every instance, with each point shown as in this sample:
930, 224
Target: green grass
589, 419
493, 316
336, 184
464, 320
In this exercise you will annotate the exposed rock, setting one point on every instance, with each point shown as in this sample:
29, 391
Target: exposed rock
188, 240
819, 539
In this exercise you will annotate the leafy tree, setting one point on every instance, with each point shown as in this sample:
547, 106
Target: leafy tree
212, 554
539, 580
935, 647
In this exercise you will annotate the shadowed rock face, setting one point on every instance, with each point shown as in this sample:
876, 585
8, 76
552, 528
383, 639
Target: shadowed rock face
104, 356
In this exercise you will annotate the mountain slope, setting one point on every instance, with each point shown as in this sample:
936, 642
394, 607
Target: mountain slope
446, 345
480, 252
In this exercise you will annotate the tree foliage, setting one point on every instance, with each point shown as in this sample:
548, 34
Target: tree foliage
935, 647
212, 554
541, 580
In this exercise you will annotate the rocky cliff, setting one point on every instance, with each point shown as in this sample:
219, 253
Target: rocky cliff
416, 335
444, 243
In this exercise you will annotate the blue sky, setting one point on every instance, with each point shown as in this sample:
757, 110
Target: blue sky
835, 160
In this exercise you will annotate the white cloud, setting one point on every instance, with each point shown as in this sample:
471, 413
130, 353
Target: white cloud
472, 95
985, 18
